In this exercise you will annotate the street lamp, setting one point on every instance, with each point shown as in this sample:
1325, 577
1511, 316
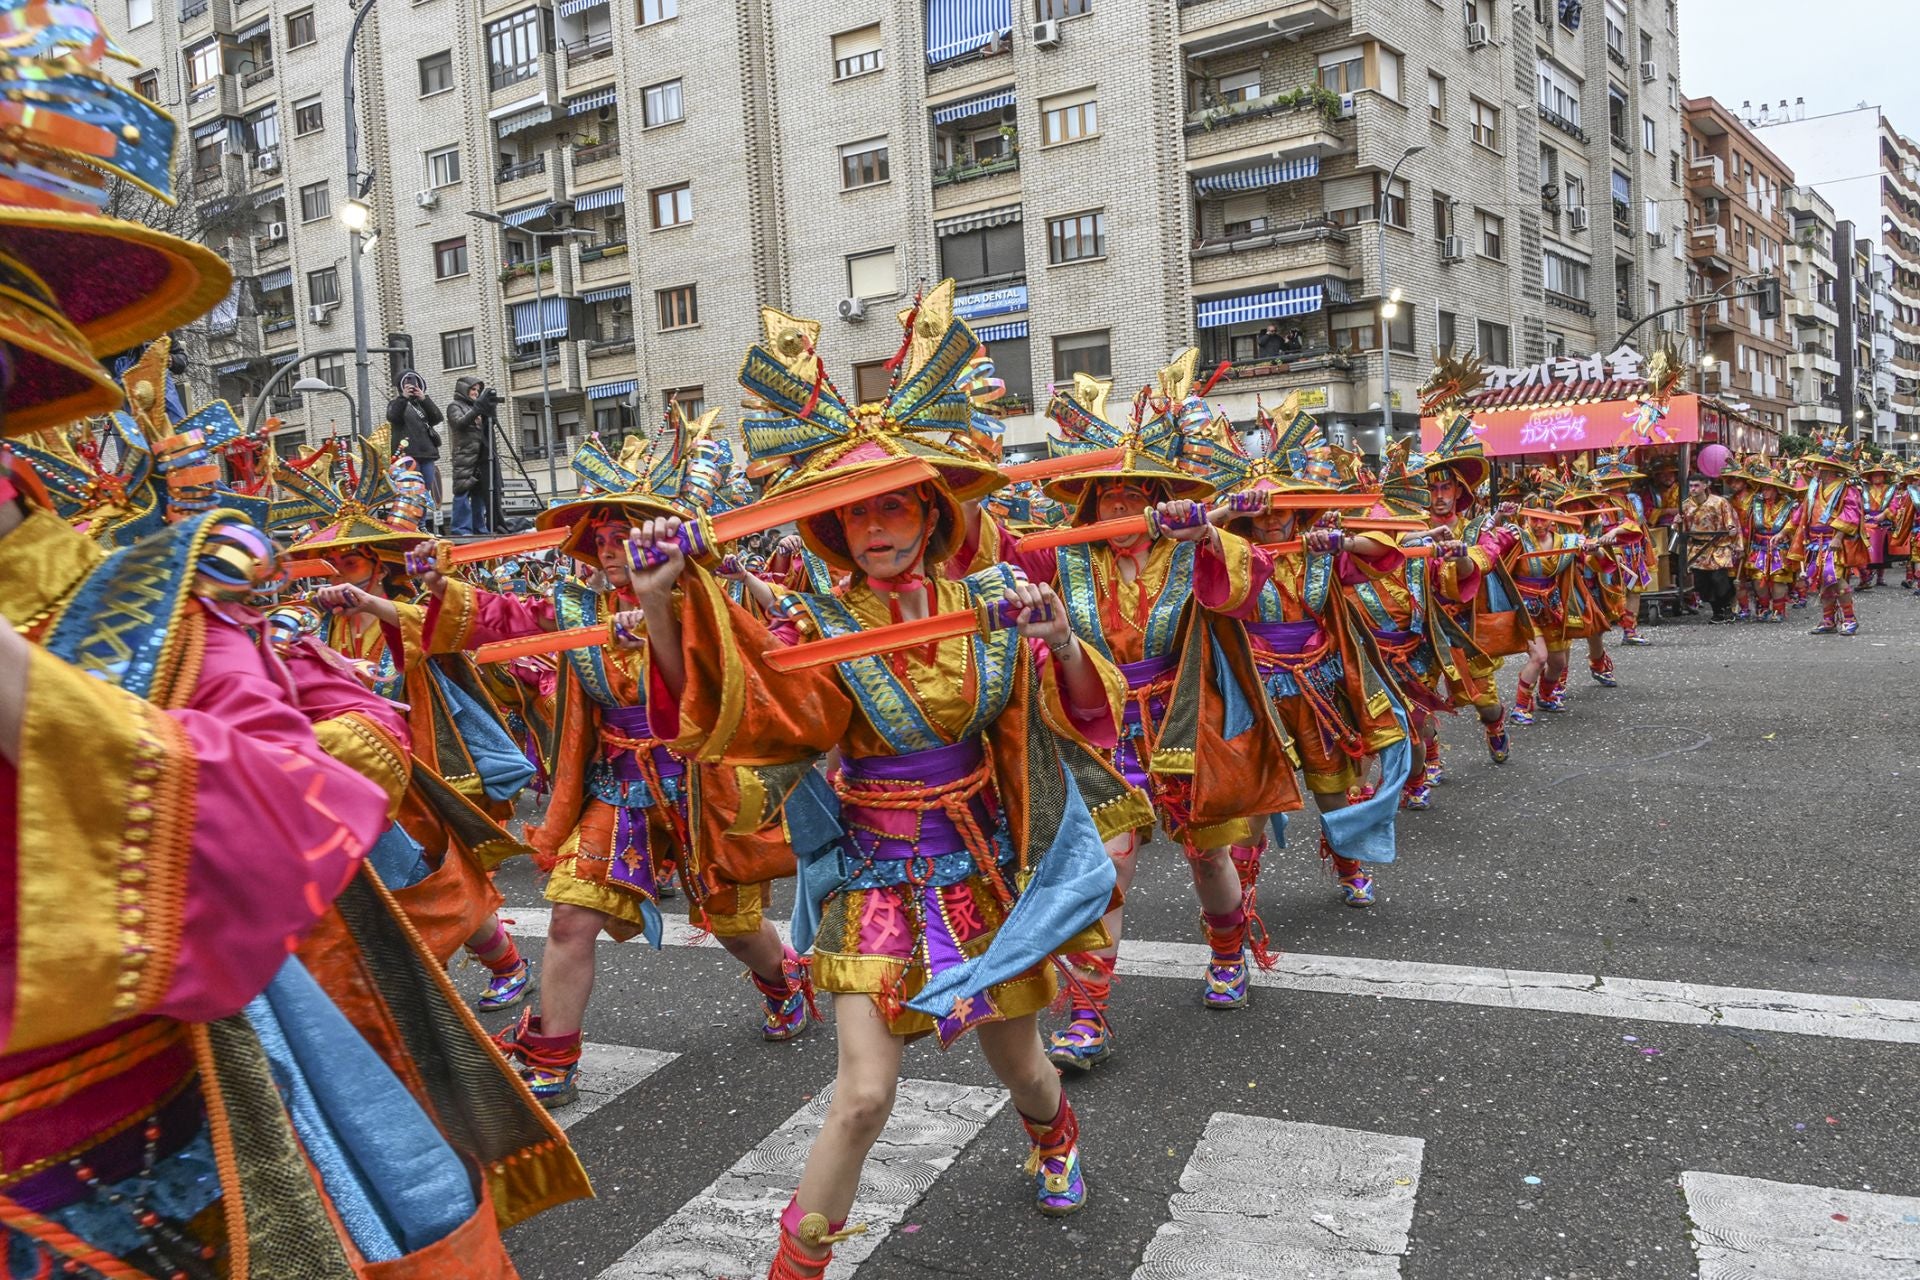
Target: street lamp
311, 384
540, 321
356, 216
1391, 306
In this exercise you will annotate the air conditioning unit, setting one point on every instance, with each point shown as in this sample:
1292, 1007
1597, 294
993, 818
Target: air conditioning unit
1477, 37
320, 312
1453, 249
618, 306
267, 162
427, 199
1576, 219
1658, 239
1046, 35
852, 309
276, 231
1649, 72
1346, 106
1712, 205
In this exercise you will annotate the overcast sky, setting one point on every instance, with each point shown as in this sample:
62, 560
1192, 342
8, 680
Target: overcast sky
1833, 53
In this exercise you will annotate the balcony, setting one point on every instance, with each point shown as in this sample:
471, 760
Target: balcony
204, 17
518, 183
603, 262
1313, 247
1314, 362
1812, 311
1707, 243
254, 79
1210, 26
263, 168
219, 96
588, 60
268, 252
1824, 412
1717, 317
528, 81
590, 166
517, 279
1707, 176
977, 182
1561, 123
1276, 126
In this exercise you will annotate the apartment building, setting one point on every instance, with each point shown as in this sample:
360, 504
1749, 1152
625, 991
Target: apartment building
1822, 330
1108, 180
1870, 171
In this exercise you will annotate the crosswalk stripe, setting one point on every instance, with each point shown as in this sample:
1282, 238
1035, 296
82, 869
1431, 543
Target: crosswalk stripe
1634, 999
1262, 1198
1753, 1229
606, 1072
728, 1231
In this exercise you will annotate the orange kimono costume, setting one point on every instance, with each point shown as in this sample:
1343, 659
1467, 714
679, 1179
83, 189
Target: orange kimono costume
1550, 571
1484, 621
974, 800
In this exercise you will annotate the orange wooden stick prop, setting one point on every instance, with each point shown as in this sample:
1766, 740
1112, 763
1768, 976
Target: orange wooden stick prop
864, 644
1553, 517
1288, 548
1048, 468
822, 495
512, 544
310, 568
545, 642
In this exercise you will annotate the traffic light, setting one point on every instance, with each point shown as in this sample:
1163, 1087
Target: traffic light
1768, 303
398, 362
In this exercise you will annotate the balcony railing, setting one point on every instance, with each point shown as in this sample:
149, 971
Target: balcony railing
602, 249
275, 323
1622, 216
1561, 122
599, 151
1307, 97
1319, 228
193, 9
970, 170
501, 77
525, 169
591, 49
260, 76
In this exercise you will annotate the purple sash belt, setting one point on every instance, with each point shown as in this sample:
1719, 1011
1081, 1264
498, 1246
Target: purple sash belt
894, 835
1284, 638
632, 867
1145, 672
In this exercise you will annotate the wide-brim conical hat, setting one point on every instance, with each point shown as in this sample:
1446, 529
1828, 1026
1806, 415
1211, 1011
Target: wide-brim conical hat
960, 477
1135, 466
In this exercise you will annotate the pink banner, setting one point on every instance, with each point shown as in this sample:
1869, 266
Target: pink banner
1569, 428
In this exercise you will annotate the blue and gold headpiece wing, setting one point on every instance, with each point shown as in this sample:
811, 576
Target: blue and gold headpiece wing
598, 470
310, 486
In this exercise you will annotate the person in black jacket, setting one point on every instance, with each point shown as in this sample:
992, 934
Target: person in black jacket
470, 423
413, 416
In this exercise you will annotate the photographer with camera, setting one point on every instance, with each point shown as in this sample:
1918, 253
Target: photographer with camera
413, 417
470, 419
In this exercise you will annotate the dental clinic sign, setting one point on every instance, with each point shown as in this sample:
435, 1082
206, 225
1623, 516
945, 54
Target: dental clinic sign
1622, 365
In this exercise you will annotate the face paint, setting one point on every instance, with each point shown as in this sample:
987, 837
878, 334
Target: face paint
1118, 503
887, 535
357, 568
610, 534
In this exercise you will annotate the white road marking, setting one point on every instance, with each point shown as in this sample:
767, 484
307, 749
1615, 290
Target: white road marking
1751, 1229
606, 1072
729, 1230
1262, 1198
1633, 999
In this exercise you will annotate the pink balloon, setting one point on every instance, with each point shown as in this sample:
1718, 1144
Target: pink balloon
1713, 459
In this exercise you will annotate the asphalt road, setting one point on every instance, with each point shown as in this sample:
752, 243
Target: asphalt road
1740, 813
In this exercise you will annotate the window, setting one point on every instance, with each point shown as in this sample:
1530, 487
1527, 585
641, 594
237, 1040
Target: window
436, 73
612, 421
203, 63
863, 164
652, 11
263, 128
1088, 353
300, 29
1069, 118
332, 370
450, 258
1442, 216
1344, 70
679, 307
1649, 136
1565, 276
856, 52
1573, 193
1348, 201
1242, 86
1493, 232
1436, 98
1559, 93
315, 202
443, 167
147, 85
1013, 365
870, 381
872, 275
1622, 201
1245, 215
1445, 323
662, 104
1646, 46
306, 117
1393, 203
1077, 237
692, 400
1486, 124
139, 14
1617, 115
1054, 10
672, 206
1400, 328
323, 287
1494, 343
513, 48
1617, 28
1389, 64
1354, 331
990, 253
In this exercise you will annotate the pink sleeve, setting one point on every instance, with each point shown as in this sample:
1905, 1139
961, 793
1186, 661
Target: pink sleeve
499, 617
1039, 566
1497, 540
1220, 588
328, 690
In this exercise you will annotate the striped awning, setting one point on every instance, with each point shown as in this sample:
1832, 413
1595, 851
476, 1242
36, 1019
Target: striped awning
957, 27
570, 7
1268, 304
1550, 394
608, 390
201, 132
979, 105
527, 319
1257, 177
252, 31
1337, 294
606, 295
521, 217
975, 221
231, 367
599, 199
539, 113
275, 280
590, 101
1001, 332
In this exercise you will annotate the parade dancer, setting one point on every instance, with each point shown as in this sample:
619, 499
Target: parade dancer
620, 818
970, 768
1607, 579
1549, 567
1323, 687
149, 1026
1773, 517
1738, 479
1150, 605
1828, 532
1906, 508
1878, 494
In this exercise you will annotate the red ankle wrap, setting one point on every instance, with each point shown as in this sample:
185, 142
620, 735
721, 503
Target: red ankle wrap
506, 962
1053, 1137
